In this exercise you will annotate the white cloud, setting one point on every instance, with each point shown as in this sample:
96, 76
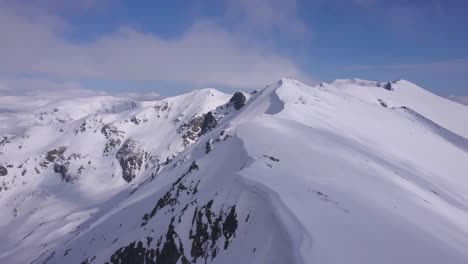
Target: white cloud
268, 16
22, 94
205, 54
151, 96
44, 88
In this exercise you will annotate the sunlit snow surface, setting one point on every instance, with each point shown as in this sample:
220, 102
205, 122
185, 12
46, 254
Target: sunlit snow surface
347, 172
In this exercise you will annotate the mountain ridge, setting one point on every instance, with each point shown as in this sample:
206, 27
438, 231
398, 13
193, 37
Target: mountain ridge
197, 179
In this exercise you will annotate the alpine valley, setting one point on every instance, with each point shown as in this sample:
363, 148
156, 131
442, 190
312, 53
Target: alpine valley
353, 171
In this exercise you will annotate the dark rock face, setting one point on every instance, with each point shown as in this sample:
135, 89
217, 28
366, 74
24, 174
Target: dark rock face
4, 141
382, 103
135, 120
62, 163
212, 228
88, 260
171, 197
192, 128
63, 171
131, 159
81, 129
114, 137
209, 122
134, 253
209, 146
388, 86
171, 252
271, 158
238, 100
207, 229
205, 234
55, 154
3, 171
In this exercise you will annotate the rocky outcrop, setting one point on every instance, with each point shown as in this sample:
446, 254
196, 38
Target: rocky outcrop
3, 171
191, 128
114, 138
171, 197
388, 86
62, 163
131, 158
55, 154
209, 122
209, 146
207, 229
211, 232
62, 169
171, 252
382, 103
238, 100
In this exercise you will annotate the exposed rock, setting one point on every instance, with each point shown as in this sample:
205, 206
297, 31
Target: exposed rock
209, 146
171, 197
3, 171
171, 252
192, 128
382, 103
238, 100
161, 106
111, 144
81, 129
271, 158
131, 159
88, 260
209, 122
114, 137
55, 154
388, 86
135, 120
4, 141
134, 253
210, 232
109, 130
208, 227
63, 170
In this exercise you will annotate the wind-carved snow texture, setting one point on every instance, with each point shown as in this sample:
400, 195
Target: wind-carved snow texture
285, 174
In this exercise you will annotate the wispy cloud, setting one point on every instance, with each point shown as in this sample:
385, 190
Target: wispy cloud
44, 88
268, 16
51, 90
204, 54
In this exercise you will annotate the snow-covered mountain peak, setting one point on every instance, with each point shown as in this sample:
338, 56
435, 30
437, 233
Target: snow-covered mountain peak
287, 174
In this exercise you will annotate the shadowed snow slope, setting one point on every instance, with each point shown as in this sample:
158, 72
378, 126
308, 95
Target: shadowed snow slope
349, 172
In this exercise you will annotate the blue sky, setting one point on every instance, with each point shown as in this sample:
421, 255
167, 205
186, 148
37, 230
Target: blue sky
170, 47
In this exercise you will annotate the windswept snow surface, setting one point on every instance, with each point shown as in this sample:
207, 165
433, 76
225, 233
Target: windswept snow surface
349, 172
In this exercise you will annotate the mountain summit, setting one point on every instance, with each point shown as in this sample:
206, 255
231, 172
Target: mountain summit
353, 171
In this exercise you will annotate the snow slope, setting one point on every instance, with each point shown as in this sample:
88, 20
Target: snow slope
349, 172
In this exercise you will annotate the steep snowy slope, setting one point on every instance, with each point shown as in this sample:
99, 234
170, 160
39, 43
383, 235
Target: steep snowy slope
349, 172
